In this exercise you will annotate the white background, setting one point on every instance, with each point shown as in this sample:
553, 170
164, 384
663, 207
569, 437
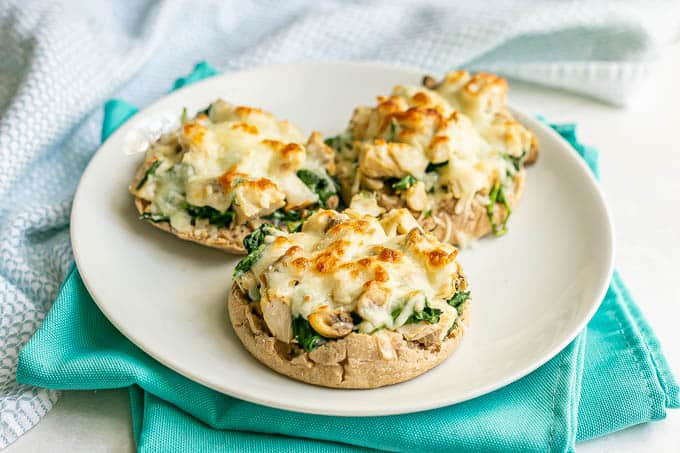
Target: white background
640, 165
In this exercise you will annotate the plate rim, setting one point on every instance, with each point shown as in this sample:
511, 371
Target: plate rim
404, 409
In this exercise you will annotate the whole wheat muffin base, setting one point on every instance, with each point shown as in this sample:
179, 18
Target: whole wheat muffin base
353, 362
229, 240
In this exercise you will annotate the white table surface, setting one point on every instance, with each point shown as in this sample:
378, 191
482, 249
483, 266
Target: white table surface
640, 165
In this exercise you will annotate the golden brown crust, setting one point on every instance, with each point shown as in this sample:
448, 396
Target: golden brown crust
358, 361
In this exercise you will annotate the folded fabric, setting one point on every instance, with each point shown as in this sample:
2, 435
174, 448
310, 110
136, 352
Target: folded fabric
613, 375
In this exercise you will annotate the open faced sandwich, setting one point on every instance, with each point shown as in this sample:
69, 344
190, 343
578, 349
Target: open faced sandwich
228, 170
449, 151
356, 299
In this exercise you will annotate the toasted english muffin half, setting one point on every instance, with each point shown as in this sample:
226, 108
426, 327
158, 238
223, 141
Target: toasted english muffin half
350, 301
227, 171
449, 151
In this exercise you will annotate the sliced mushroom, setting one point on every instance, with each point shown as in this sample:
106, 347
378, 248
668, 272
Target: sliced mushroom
371, 304
388, 201
430, 82
375, 296
416, 331
398, 221
426, 333
331, 323
322, 220
277, 316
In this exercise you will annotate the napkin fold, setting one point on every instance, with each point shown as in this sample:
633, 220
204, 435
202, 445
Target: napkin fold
613, 375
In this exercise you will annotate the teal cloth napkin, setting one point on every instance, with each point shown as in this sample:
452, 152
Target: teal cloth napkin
613, 375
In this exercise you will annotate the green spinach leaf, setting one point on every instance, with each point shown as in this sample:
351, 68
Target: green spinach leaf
404, 183
428, 314
340, 142
215, 217
453, 326
294, 227
515, 160
334, 142
154, 218
246, 263
256, 238
292, 219
281, 215
305, 335
434, 167
320, 185
458, 299
205, 111
497, 195
150, 172
393, 134
397, 311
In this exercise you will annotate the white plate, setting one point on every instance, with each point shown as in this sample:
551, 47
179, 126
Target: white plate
533, 289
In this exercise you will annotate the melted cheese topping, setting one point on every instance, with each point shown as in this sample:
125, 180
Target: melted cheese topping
234, 157
463, 122
382, 269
